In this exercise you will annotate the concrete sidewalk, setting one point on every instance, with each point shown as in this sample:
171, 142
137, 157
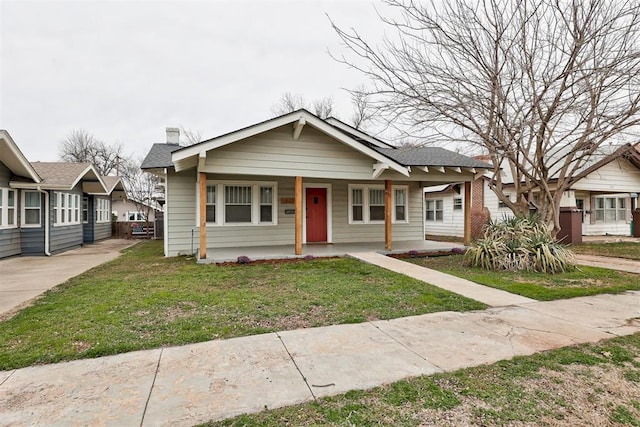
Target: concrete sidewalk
26, 277
214, 380
620, 264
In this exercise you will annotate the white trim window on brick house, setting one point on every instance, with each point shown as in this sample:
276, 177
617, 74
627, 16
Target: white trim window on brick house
8, 211
366, 204
66, 208
31, 208
103, 211
241, 203
434, 210
610, 209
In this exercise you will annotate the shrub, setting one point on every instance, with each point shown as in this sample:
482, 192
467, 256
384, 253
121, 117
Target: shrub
520, 243
243, 259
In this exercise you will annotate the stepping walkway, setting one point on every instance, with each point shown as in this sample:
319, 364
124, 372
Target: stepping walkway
620, 264
490, 296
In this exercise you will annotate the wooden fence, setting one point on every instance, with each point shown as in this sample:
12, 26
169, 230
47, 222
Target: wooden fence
132, 230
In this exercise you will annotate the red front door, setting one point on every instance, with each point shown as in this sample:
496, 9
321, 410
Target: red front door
316, 215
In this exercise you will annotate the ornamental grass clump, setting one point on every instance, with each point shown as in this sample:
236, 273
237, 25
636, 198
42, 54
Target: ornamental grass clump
520, 243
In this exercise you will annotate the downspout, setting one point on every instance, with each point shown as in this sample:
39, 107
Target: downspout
46, 220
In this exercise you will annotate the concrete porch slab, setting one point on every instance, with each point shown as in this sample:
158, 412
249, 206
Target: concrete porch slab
221, 379
323, 250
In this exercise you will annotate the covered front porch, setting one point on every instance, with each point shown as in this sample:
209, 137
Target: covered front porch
256, 253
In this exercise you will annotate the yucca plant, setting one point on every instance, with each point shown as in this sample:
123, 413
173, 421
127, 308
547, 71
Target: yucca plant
519, 243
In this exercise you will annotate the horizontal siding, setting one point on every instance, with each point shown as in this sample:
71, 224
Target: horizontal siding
32, 240
276, 153
102, 231
10, 242
65, 237
5, 175
618, 174
180, 213
452, 223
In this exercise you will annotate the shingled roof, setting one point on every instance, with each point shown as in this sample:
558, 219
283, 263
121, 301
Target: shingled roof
430, 156
159, 156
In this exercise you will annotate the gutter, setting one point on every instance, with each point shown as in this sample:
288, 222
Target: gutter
46, 220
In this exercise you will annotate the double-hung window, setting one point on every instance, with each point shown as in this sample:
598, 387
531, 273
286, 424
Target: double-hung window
434, 210
457, 204
611, 209
103, 213
31, 208
85, 210
366, 204
66, 208
241, 203
8, 210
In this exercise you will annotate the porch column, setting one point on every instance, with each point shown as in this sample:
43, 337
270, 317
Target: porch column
387, 214
203, 215
298, 204
467, 213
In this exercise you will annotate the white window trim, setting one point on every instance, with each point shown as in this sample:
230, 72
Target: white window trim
23, 209
83, 210
103, 211
138, 216
365, 203
72, 207
616, 210
4, 203
460, 201
255, 203
435, 209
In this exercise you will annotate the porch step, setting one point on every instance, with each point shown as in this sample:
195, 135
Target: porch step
490, 296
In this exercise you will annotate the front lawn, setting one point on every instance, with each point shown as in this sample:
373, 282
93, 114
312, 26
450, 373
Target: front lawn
142, 300
590, 384
582, 281
629, 250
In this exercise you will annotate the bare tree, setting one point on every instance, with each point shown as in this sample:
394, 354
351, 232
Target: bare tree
323, 107
83, 147
539, 85
362, 108
192, 136
288, 102
142, 189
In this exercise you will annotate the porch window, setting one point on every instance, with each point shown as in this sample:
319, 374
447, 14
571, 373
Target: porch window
376, 205
400, 204
357, 203
241, 203
366, 204
266, 204
211, 203
434, 211
611, 209
31, 209
7, 208
237, 203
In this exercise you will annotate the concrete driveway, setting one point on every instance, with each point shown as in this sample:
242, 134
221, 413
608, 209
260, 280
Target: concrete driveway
23, 278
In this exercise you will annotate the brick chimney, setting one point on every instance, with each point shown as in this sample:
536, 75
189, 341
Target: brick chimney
173, 136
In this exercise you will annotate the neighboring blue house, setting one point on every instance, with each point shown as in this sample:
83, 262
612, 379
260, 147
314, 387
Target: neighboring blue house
50, 207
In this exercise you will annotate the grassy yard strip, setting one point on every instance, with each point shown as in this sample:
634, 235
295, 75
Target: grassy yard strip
543, 287
628, 250
595, 384
142, 300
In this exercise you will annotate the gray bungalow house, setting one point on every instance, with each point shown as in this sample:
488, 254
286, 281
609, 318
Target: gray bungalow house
297, 181
46, 208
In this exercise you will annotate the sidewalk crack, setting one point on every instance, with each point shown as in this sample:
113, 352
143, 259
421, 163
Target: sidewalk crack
10, 375
153, 383
297, 367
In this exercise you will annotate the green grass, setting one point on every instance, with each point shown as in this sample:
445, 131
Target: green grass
142, 300
559, 387
629, 250
582, 281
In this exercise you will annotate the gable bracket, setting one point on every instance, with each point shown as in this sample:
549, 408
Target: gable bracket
297, 127
378, 168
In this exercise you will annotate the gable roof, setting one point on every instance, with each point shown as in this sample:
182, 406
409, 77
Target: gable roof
431, 156
357, 134
65, 176
626, 151
12, 157
303, 117
159, 157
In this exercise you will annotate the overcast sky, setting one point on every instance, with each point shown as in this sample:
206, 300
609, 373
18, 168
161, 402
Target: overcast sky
125, 70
